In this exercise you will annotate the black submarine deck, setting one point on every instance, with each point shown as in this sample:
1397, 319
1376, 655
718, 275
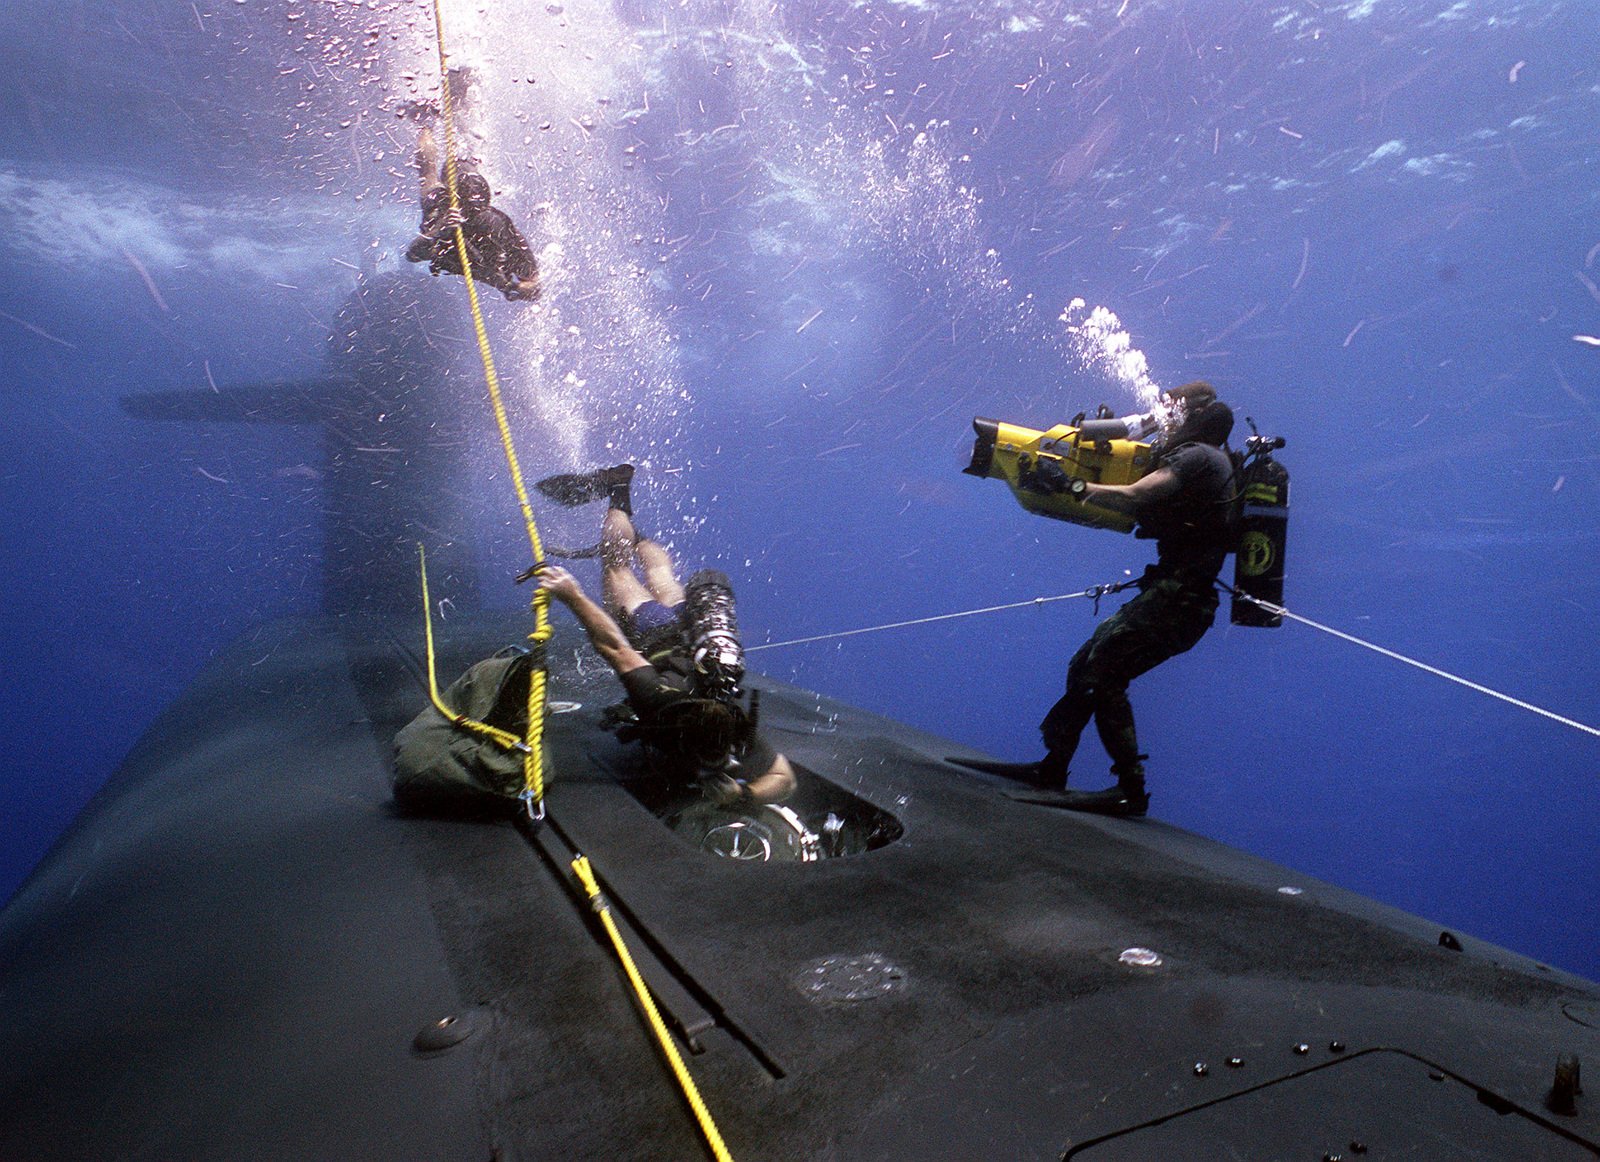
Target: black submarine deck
233, 953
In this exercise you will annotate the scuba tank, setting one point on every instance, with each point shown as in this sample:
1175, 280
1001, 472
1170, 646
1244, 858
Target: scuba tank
706, 661
1263, 523
712, 629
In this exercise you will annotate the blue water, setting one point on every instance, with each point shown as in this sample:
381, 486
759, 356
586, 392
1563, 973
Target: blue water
789, 254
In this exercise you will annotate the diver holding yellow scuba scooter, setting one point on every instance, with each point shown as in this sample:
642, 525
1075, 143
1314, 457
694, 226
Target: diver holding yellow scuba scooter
1183, 490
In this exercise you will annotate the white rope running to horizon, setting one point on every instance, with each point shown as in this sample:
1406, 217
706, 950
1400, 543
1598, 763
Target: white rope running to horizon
1101, 590
1093, 591
1423, 666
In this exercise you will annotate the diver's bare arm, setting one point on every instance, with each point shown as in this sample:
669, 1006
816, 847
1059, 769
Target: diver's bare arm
1132, 498
774, 786
606, 636
604, 633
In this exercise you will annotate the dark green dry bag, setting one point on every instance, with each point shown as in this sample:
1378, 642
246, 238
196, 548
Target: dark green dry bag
441, 766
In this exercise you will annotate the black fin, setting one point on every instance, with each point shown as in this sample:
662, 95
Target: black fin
1111, 801
572, 554
575, 488
1030, 773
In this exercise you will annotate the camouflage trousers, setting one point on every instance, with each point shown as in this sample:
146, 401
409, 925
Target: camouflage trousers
1167, 618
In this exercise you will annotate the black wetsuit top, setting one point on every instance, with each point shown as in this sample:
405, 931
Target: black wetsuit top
651, 691
496, 248
1193, 528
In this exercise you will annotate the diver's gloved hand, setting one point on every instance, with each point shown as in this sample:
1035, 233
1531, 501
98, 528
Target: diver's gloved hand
1047, 476
724, 790
449, 221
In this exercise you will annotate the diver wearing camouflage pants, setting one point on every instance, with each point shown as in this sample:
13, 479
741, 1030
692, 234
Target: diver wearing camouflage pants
1185, 504
1169, 616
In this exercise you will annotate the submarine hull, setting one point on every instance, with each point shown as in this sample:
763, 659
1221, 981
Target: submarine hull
236, 949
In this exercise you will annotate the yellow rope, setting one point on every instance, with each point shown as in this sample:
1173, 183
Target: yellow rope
533, 758
504, 737
647, 1003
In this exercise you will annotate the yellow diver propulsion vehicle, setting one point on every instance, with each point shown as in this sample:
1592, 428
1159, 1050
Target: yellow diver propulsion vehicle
1046, 470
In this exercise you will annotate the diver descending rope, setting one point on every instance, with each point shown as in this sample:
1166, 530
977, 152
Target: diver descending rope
533, 758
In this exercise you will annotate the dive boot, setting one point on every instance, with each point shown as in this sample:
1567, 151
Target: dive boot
575, 488
1111, 801
1127, 798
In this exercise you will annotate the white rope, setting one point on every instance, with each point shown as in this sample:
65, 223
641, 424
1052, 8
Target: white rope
1423, 666
1278, 610
1093, 591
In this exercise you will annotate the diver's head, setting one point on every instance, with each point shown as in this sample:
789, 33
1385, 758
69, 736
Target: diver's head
474, 191
1210, 423
709, 730
1188, 398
